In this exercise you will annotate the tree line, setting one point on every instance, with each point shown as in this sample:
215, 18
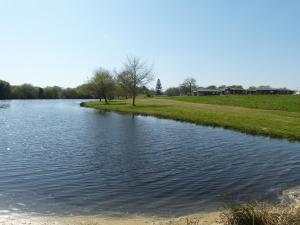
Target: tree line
28, 91
129, 82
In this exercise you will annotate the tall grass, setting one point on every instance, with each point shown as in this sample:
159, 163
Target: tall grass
261, 214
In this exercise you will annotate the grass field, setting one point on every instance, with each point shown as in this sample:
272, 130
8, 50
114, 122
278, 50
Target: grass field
289, 103
274, 116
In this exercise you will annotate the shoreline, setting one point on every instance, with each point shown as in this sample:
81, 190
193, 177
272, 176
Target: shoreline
290, 200
257, 122
210, 218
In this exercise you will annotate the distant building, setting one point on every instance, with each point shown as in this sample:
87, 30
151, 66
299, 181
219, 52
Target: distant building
274, 91
234, 91
205, 91
251, 91
240, 91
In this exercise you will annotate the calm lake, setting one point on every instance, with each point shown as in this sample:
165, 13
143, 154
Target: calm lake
59, 158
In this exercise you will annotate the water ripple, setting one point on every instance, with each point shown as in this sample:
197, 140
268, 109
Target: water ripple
58, 158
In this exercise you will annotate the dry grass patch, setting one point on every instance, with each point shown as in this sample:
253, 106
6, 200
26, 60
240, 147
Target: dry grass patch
261, 214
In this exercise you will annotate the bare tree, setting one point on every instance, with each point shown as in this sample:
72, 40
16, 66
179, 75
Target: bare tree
136, 74
188, 85
102, 84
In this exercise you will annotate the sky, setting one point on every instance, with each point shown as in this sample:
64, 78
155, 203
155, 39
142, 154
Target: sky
62, 42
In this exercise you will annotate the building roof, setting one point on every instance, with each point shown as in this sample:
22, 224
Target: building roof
272, 89
235, 89
207, 90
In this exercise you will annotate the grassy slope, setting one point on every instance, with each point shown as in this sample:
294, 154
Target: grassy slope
274, 123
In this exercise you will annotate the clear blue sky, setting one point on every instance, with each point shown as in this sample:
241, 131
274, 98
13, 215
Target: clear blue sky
61, 42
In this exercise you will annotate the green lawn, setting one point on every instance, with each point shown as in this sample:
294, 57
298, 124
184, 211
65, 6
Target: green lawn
289, 103
274, 116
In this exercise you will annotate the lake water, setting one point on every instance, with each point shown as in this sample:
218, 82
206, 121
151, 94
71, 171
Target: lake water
58, 158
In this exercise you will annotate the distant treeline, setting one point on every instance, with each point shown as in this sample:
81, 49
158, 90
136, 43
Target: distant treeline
129, 82
28, 91
84, 91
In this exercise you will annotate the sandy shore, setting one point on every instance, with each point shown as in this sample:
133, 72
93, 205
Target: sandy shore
22, 219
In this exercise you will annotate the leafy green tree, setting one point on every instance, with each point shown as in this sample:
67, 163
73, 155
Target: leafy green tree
28, 91
120, 91
41, 93
212, 87
84, 91
54, 92
102, 84
147, 92
173, 91
4, 90
135, 74
69, 93
151, 92
24, 91
252, 88
222, 87
158, 88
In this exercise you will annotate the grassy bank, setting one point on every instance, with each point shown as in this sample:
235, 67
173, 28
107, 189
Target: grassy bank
274, 116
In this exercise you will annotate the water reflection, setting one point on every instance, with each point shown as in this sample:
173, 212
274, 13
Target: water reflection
4, 105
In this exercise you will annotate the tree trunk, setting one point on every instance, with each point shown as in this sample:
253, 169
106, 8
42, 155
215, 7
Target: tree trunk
134, 95
133, 99
105, 98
